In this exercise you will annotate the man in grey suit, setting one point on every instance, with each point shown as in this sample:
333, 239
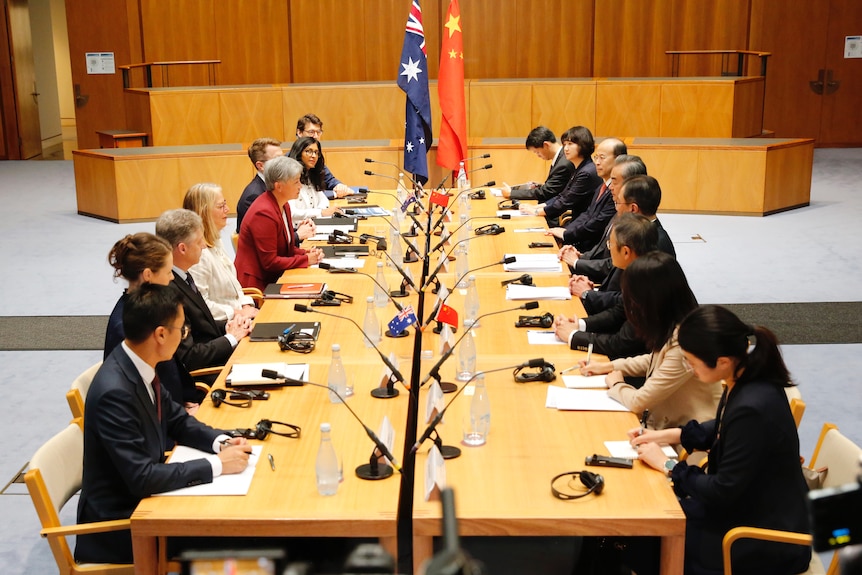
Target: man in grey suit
127, 416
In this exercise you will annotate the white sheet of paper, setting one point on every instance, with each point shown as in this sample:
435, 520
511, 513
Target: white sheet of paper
584, 400
536, 337
517, 292
234, 484
625, 449
249, 373
345, 263
578, 381
512, 213
534, 263
497, 192
523, 230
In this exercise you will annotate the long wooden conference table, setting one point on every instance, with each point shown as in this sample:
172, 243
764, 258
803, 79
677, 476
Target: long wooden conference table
502, 488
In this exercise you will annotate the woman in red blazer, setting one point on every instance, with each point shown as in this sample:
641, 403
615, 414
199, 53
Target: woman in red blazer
266, 245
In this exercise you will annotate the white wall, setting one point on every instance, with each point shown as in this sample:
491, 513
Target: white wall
46, 71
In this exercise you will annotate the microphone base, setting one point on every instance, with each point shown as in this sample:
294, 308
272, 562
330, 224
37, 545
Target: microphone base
367, 472
384, 392
450, 452
448, 387
411, 233
439, 327
398, 335
398, 293
412, 258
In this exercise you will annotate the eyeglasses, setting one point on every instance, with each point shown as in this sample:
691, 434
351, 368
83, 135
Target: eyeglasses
297, 341
313, 132
310, 152
219, 396
221, 206
184, 329
599, 157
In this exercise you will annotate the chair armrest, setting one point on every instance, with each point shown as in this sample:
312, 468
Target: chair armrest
759, 533
255, 294
84, 528
207, 371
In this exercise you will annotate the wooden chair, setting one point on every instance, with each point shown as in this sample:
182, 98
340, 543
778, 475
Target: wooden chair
54, 477
77, 395
840, 456
255, 294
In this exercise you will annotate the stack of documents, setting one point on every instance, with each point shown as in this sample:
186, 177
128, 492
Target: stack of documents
246, 374
534, 263
517, 292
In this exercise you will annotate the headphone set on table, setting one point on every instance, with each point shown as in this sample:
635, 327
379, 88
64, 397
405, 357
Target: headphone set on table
594, 483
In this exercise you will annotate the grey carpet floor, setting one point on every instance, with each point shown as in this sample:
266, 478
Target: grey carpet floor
793, 323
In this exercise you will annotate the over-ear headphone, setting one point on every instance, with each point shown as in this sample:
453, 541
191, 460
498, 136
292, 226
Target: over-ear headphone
545, 373
219, 396
490, 230
523, 279
478, 195
509, 205
592, 481
545, 320
339, 237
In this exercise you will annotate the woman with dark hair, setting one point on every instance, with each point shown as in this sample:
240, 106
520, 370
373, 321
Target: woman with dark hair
312, 201
753, 477
656, 297
139, 259
578, 147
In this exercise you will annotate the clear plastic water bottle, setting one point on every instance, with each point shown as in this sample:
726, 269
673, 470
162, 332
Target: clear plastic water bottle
466, 357
395, 250
480, 415
464, 228
463, 183
381, 297
401, 192
461, 266
471, 303
327, 463
371, 326
337, 379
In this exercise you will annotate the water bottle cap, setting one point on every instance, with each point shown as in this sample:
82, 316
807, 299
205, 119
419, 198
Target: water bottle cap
380, 264
472, 278
325, 427
336, 347
369, 299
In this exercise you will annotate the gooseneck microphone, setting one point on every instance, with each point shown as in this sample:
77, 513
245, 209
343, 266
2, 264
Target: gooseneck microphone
433, 276
447, 209
485, 167
379, 392
538, 362
397, 167
435, 371
272, 374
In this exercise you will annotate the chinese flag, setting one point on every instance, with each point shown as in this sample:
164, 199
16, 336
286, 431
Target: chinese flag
452, 145
441, 200
448, 315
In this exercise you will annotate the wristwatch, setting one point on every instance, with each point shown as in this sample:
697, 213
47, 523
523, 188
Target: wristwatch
669, 465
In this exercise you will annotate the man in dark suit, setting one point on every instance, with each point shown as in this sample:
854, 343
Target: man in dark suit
542, 142
211, 342
127, 417
260, 151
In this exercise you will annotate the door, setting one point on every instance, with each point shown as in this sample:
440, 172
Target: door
841, 116
24, 78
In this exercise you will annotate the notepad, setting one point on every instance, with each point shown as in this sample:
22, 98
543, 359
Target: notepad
577, 381
534, 263
625, 449
581, 400
231, 484
516, 292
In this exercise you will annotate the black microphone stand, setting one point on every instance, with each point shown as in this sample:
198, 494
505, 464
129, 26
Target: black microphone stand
372, 470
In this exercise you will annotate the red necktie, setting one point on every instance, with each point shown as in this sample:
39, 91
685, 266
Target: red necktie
157, 392
602, 191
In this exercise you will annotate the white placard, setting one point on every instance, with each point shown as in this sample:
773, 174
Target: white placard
100, 63
853, 46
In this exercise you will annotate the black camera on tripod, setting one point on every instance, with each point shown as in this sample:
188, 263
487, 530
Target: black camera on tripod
836, 515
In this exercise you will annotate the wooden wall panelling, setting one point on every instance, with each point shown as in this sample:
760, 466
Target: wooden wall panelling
554, 39
348, 164
232, 172
748, 107
249, 114
719, 187
713, 25
384, 22
842, 112
627, 108
253, 42
564, 103
500, 109
327, 40
631, 37
676, 172
513, 164
788, 177
99, 26
8, 117
138, 115
381, 105
175, 31
493, 39
795, 33
696, 109
182, 118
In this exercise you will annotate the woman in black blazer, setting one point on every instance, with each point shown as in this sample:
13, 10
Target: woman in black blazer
754, 477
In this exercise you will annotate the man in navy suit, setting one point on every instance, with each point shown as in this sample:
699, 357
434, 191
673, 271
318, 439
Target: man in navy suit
542, 142
127, 416
211, 342
260, 151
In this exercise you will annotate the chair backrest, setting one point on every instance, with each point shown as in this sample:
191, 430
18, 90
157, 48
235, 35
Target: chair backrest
839, 454
797, 408
77, 395
55, 475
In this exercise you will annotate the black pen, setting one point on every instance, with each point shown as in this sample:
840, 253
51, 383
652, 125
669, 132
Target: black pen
644, 418
271, 461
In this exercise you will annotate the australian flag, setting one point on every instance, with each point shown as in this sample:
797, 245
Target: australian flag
405, 318
413, 79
